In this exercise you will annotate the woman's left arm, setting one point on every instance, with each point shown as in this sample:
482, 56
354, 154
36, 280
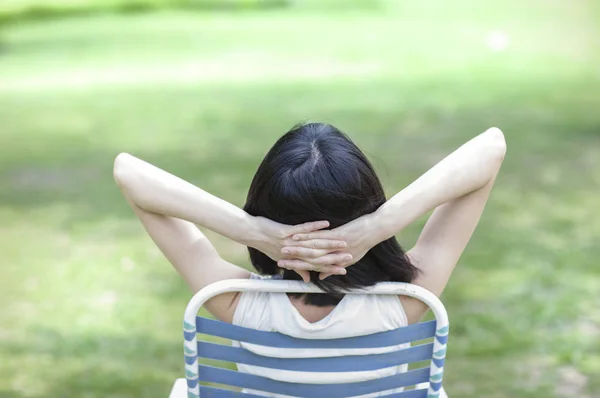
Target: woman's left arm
168, 207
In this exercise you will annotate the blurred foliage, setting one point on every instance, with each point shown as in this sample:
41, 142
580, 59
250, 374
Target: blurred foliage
23, 10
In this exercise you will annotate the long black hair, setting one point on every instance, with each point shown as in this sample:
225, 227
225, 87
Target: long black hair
315, 172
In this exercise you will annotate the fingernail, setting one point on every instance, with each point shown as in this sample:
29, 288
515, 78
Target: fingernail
342, 271
286, 251
349, 257
343, 244
295, 237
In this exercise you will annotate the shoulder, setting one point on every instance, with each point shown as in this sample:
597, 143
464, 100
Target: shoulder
389, 308
252, 307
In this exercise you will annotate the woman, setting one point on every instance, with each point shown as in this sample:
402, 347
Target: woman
315, 178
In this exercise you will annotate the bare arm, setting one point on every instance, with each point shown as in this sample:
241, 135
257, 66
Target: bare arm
465, 171
457, 188
168, 208
157, 191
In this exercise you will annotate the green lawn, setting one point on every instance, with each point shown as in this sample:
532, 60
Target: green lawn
89, 308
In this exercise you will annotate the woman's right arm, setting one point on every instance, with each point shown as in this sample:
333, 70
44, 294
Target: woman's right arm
457, 188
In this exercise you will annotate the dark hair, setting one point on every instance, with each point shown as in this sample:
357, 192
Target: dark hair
315, 172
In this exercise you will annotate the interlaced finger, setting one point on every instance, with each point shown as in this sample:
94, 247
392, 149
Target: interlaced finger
342, 259
303, 252
299, 265
327, 244
325, 234
307, 227
324, 275
305, 275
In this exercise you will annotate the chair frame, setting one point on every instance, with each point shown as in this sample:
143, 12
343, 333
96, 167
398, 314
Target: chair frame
281, 286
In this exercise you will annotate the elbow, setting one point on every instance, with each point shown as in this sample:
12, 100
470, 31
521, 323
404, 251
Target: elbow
122, 169
129, 177
496, 144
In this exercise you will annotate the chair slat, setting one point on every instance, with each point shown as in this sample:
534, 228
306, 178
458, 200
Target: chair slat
347, 363
407, 334
213, 392
245, 380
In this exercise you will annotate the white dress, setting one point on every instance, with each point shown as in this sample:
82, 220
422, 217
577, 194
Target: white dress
355, 315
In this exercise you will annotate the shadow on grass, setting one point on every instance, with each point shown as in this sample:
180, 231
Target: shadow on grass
94, 382
85, 183
96, 364
48, 342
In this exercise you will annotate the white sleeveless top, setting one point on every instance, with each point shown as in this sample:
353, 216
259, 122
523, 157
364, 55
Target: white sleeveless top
355, 315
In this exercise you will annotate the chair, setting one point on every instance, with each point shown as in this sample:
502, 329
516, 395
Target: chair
427, 380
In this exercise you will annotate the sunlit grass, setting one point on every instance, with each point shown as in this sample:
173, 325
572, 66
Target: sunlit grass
91, 309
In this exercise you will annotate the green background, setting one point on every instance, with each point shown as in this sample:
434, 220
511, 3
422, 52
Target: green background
90, 308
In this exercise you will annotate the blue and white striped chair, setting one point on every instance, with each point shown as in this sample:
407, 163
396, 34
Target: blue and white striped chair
427, 380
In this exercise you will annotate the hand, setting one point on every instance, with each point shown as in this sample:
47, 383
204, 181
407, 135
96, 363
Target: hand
272, 237
358, 234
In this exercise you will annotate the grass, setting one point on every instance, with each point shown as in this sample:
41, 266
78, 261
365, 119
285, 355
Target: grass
91, 309
17, 11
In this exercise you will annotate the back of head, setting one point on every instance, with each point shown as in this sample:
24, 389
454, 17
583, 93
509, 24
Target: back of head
315, 172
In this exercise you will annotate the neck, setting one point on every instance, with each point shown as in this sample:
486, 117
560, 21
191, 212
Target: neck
311, 313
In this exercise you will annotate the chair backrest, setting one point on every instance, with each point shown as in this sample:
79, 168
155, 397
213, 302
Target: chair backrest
197, 373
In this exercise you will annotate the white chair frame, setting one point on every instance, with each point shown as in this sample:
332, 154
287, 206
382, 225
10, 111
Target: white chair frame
180, 389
